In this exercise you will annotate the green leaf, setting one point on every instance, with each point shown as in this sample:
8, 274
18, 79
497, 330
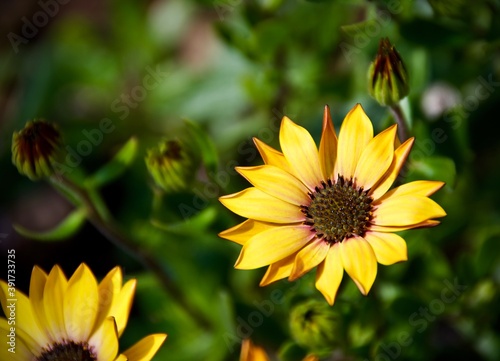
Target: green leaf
433, 168
290, 351
204, 147
488, 256
65, 229
193, 225
115, 167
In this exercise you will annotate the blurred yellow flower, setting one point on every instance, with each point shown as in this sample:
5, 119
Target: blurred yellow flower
331, 207
251, 352
75, 319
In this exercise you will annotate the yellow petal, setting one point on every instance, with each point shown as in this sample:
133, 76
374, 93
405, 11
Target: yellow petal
389, 248
327, 146
53, 303
246, 230
273, 245
359, 262
34, 337
81, 304
278, 270
400, 155
251, 352
258, 205
301, 153
309, 257
406, 210
105, 340
390, 229
121, 357
108, 289
416, 188
277, 183
376, 158
122, 304
355, 133
271, 156
329, 274
37, 285
20, 351
145, 349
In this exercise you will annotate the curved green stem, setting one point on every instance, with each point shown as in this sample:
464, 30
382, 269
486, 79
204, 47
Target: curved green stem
101, 218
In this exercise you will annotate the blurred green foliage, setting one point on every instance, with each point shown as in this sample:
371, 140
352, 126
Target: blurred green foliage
109, 71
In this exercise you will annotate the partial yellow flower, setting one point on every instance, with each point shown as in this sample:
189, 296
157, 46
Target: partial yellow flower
75, 319
252, 352
331, 207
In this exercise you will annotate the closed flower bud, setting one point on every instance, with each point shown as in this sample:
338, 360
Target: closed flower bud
316, 326
171, 165
387, 76
36, 149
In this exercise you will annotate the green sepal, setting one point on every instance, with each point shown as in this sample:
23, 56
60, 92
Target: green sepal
65, 229
203, 146
116, 166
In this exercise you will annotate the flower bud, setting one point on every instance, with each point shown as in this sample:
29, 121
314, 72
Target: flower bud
315, 325
36, 149
171, 165
387, 76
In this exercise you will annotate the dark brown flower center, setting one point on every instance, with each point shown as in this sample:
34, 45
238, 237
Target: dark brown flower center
68, 351
39, 139
173, 150
339, 210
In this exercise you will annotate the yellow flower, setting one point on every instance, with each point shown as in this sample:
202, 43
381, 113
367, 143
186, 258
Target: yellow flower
75, 319
251, 352
331, 207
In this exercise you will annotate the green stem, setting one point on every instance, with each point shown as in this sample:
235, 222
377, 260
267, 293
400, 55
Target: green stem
158, 195
399, 116
101, 218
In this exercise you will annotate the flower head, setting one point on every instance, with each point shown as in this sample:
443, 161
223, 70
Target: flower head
331, 207
35, 149
75, 319
387, 76
171, 165
316, 326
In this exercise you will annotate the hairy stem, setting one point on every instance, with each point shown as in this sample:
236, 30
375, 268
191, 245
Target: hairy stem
399, 116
